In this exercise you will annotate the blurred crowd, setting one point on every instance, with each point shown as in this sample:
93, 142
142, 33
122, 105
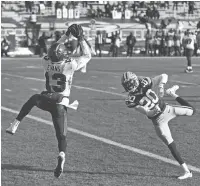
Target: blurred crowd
170, 43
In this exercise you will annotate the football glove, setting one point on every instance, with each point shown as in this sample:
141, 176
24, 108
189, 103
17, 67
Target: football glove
76, 30
161, 90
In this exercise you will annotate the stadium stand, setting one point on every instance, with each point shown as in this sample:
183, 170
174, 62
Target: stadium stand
56, 16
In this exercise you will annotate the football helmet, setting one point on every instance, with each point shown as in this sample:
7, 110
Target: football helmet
130, 81
57, 52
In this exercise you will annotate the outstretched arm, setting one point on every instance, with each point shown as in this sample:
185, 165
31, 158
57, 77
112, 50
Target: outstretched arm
86, 56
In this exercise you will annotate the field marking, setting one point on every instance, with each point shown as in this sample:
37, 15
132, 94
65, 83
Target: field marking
8, 90
34, 89
107, 57
76, 86
92, 89
107, 141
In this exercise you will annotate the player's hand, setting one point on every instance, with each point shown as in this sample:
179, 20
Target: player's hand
161, 91
76, 30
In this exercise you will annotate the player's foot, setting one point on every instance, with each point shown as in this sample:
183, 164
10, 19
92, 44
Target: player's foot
185, 176
13, 127
172, 91
83, 70
61, 161
189, 69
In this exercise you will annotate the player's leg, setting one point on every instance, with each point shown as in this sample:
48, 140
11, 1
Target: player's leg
164, 133
186, 109
189, 53
34, 100
59, 117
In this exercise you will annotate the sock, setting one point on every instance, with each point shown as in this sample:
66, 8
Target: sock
183, 102
175, 153
189, 62
62, 154
185, 167
16, 122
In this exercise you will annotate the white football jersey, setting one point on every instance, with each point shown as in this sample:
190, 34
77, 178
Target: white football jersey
190, 40
59, 75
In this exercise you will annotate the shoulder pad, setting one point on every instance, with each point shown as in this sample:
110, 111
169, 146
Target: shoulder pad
145, 81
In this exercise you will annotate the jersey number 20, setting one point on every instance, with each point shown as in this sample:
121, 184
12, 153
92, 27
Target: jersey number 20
150, 100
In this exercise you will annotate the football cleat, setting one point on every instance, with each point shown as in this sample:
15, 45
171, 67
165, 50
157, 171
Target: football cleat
13, 127
59, 169
172, 91
188, 70
185, 176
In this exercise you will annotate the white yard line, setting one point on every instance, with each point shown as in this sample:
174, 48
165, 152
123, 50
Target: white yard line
134, 57
107, 141
8, 90
92, 89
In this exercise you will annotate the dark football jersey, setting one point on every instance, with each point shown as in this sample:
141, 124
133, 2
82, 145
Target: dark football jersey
145, 96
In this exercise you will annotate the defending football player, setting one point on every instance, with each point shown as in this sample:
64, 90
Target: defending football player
59, 69
142, 97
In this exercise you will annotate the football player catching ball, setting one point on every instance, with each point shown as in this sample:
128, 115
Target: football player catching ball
145, 100
59, 70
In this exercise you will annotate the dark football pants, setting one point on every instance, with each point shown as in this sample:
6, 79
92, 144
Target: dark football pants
58, 113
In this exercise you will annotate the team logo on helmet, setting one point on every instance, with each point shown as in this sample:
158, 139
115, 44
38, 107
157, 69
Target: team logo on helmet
130, 81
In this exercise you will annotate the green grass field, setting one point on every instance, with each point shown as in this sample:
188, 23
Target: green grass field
108, 143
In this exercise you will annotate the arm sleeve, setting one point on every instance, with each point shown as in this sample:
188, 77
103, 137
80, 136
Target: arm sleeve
159, 80
85, 58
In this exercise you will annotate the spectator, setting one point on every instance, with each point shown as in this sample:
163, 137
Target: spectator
191, 7
57, 35
163, 44
111, 50
195, 44
42, 43
91, 12
117, 45
130, 42
177, 43
175, 5
4, 47
28, 6
98, 42
99, 12
108, 10
33, 19
184, 42
157, 42
170, 36
155, 13
179, 25
167, 4
198, 41
149, 12
198, 25
149, 42
164, 23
